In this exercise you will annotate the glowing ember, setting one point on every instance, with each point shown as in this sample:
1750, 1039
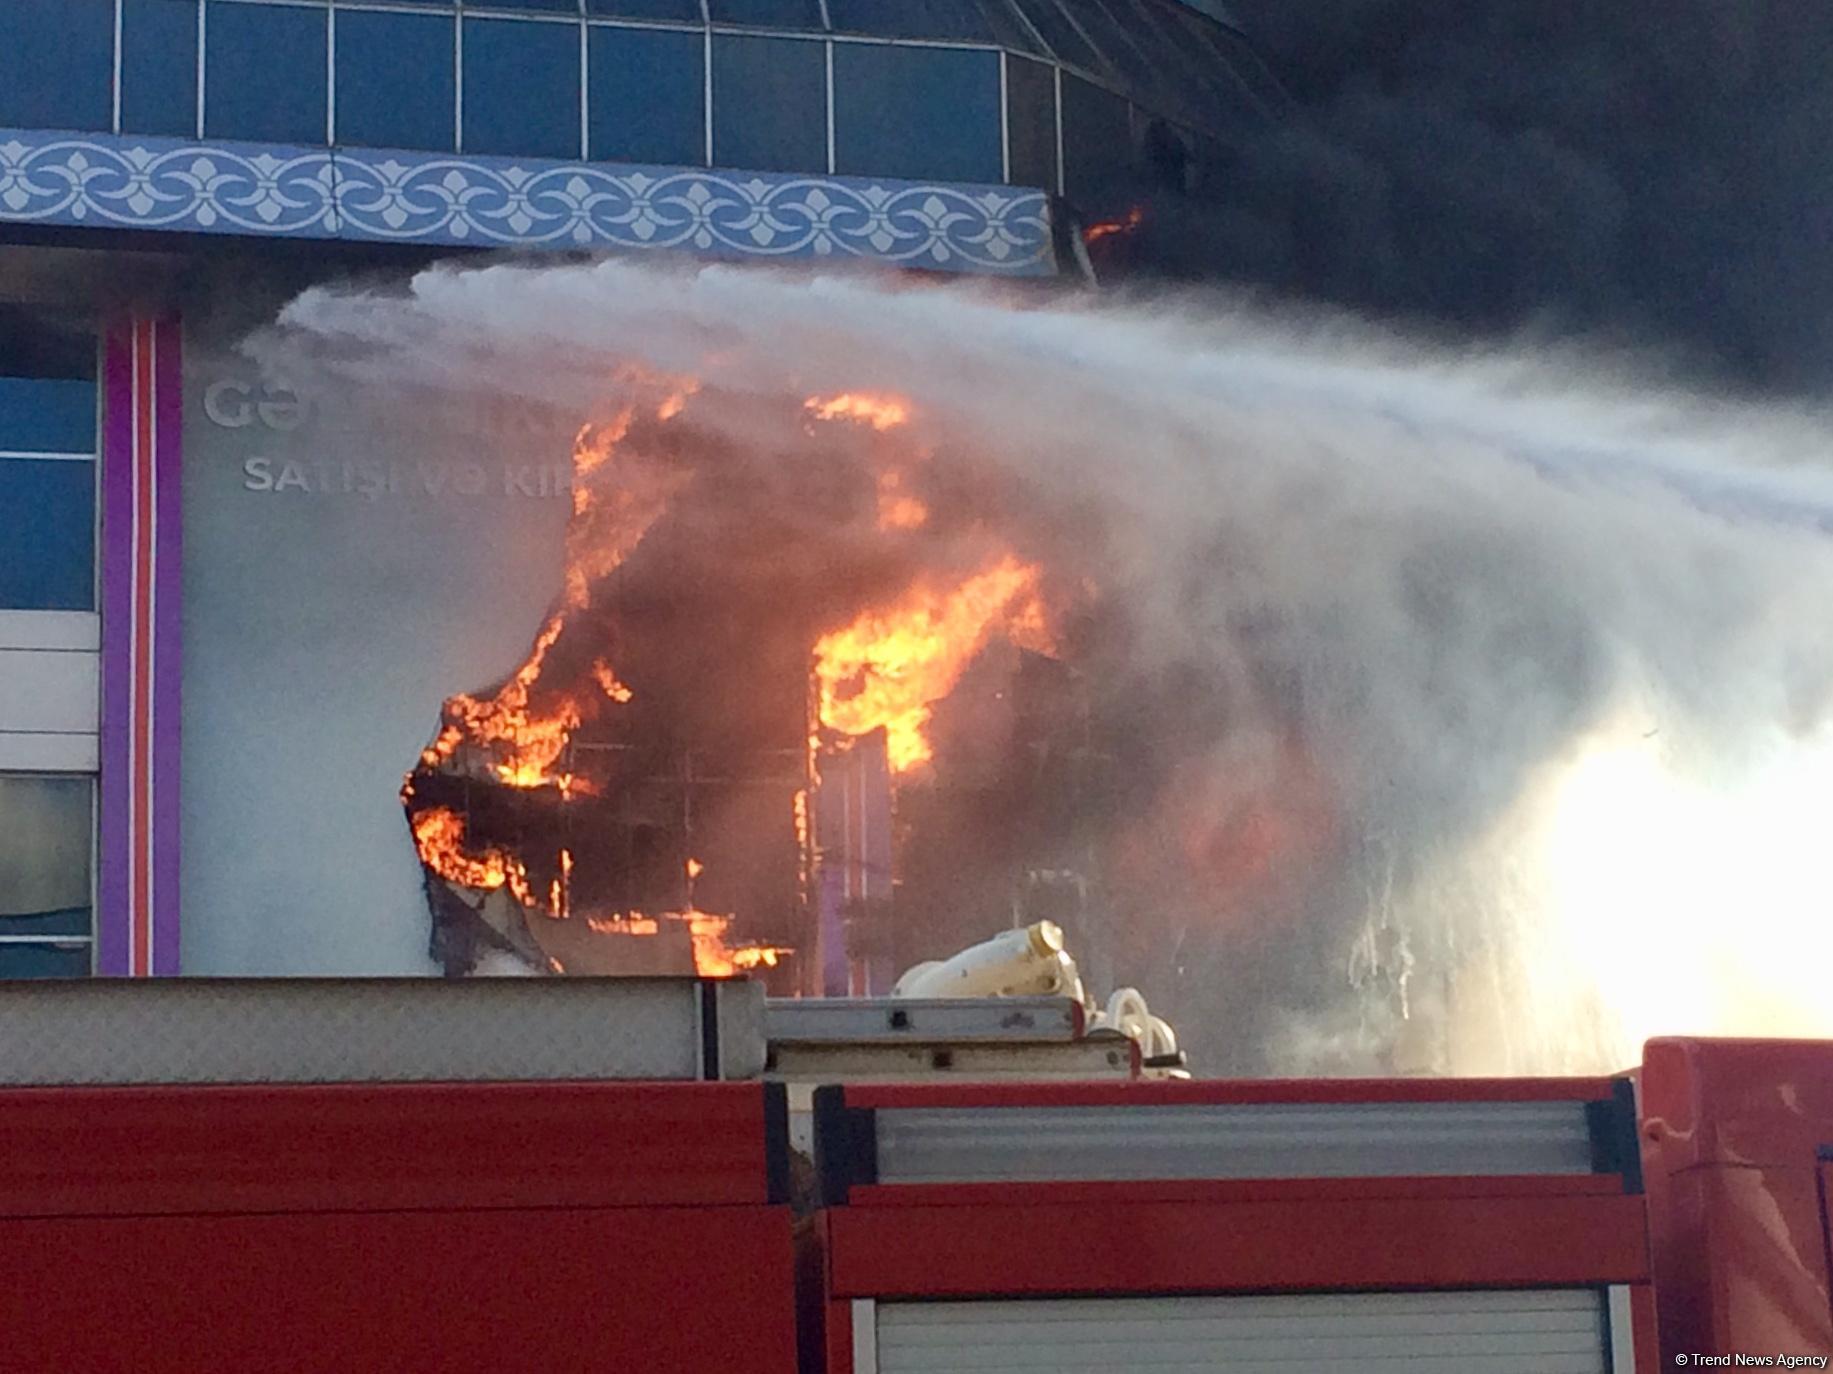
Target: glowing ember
890, 665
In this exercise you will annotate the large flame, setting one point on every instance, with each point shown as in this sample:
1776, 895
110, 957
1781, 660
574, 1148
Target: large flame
518, 736
883, 669
518, 744
439, 832
892, 664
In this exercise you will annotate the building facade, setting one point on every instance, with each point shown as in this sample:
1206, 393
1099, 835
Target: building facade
194, 710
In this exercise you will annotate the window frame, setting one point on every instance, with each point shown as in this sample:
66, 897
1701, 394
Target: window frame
93, 457
65, 942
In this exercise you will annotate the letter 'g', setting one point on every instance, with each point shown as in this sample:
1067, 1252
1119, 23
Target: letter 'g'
227, 404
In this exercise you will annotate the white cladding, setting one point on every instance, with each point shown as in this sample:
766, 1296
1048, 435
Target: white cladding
50, 701
1232, 1141
307, 1030
1545, 1331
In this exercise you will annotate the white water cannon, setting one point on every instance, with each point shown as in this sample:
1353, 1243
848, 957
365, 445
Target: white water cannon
1029, 961
1032, 961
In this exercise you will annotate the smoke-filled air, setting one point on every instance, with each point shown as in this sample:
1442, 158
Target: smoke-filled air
1429, 710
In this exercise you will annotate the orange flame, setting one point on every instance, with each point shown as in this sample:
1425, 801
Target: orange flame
519, 746
560, 890
713, 957
608, 683
1126, 224
897, 509
623, 925
880, 412
614, 503
887, 667
439, 831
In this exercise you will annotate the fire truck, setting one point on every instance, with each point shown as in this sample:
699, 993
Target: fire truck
675, 1174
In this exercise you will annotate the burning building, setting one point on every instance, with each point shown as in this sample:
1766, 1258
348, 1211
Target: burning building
780, 689
199, 568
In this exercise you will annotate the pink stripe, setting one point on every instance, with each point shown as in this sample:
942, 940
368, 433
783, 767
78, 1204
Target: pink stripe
135, 820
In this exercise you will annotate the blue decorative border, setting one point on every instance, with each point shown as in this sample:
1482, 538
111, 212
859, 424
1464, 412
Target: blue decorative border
102, 180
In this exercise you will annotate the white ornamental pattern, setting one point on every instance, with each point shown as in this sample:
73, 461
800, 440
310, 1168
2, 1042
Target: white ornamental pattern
100, 180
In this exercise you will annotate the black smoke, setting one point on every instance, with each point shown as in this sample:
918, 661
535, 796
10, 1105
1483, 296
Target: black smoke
1650, 172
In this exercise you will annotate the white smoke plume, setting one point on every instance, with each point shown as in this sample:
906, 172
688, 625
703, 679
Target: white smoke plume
1507, 671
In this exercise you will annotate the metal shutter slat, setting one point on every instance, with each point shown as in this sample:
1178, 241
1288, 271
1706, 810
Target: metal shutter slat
1278, 1140
1540, 1332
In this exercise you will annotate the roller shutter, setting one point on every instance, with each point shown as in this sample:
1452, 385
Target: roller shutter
1530, 1332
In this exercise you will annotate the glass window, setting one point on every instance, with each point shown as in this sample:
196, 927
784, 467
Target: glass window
916, 112
960, 19
47, 415
769, 104
547, 6
1115, 40
680, 11
1244, 75
395, 79
44, 959
648, 96
1097, 136
521, 88
264, 73
1009, 27
1031, 122
47, 534
1060, 33
159, 67
57, 64
46, 839
47, 465
769, 14
1183, 74
34, 343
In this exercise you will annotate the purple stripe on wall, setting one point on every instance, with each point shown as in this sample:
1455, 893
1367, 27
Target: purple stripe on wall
113, 856
124, 853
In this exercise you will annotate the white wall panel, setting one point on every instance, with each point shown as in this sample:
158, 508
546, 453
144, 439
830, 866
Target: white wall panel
50, 630
49, 690
24, 751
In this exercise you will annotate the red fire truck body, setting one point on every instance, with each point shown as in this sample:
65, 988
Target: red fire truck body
1494, 1225
1738, 1137
392, 1227
181, 1188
